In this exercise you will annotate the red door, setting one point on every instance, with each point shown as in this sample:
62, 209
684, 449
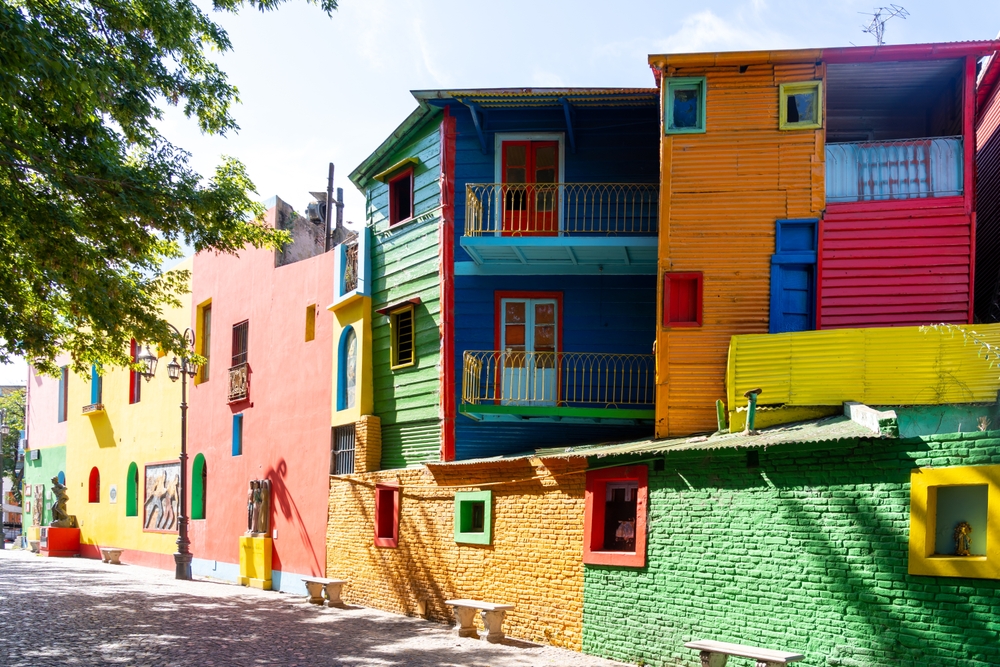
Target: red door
530, 188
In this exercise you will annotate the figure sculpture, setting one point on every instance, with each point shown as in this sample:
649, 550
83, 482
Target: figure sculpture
963, 539
60, 517
259, 507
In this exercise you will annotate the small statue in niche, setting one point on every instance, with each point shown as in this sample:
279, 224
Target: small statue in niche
259, 507
60, 516
963, 539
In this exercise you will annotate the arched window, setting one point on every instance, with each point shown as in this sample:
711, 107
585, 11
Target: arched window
62, 477
199, 478
347, 369
95, 486
132, 491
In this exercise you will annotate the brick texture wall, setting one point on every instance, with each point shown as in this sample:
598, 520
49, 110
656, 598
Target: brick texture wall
807, 553
533, 563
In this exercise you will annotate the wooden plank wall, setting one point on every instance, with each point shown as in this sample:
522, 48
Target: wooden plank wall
405, 265
721, 193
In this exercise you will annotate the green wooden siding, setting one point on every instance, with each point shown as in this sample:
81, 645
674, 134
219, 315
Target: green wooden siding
405, 264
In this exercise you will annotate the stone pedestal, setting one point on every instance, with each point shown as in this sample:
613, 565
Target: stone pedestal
493, 622
255, 562
61, 542
466, 617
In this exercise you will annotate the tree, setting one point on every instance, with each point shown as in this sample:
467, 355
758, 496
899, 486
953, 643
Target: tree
13, 403
92, 198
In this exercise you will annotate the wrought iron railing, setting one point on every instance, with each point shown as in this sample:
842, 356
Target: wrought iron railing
904, 169
239, 382
350, 268
564, 379
561, 209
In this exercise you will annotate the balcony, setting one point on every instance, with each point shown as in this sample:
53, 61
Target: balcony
904, 169
575, 387
93, 410
239, 383
561, 227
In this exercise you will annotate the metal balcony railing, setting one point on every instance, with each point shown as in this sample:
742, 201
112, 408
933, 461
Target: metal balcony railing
351, 268
561, 379
561, 209
904, 169
239, 382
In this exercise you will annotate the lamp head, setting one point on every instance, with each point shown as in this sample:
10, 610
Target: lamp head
147, 361
174, 369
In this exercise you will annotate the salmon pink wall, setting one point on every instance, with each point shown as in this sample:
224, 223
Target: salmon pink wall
286, 421
43, 409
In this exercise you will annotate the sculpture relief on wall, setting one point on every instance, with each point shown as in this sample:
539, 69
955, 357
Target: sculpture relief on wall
160, 504
259, 508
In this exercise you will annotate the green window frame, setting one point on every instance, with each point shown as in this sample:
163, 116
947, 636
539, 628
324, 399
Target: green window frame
132, 490
787, 90
474, 517
673, 87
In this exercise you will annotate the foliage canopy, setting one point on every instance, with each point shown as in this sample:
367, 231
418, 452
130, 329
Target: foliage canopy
93, 199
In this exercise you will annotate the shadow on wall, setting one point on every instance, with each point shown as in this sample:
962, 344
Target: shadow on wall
283, 501
104, 432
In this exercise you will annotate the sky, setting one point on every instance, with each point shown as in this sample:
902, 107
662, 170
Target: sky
317, 89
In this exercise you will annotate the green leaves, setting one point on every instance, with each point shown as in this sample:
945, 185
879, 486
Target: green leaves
92, 199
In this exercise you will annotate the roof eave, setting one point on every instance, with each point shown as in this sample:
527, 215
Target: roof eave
365, 171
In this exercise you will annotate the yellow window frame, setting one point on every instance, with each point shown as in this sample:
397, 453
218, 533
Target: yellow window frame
786, 89
396, 331
924, 483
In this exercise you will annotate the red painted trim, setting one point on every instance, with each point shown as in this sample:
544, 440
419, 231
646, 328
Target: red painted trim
969, 132
593, 516
819, 273
94, 486
700, 296
446, 250
987, 85
388, 542
859, 54
499, 296
132, 557
393, 220
894, 205
133, 377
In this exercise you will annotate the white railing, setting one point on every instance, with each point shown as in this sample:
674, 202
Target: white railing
561, 209
904, 169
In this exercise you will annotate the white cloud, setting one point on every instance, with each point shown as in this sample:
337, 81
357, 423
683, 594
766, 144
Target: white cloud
705, 31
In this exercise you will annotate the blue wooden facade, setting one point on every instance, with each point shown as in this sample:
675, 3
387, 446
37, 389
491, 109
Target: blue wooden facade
571, 247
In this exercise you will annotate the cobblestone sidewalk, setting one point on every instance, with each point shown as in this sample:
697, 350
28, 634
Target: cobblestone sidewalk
56, 611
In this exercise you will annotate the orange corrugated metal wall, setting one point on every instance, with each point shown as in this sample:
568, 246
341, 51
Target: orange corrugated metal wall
721, 193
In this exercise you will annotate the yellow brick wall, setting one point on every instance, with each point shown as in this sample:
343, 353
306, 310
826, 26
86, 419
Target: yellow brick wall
534, 562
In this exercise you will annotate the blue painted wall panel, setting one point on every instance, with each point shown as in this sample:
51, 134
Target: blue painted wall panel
611, 314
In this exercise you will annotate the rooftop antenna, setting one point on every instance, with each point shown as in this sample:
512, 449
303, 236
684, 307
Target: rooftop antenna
881, 16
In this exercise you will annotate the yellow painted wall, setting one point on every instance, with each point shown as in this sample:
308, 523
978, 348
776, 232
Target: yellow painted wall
534, 563
356, 312
145, 432
882, 366
721, 193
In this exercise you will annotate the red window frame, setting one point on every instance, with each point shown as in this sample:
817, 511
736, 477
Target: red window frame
671, 293
94, 486
593, 516
134, 378
394, 214
386, 536
531, 222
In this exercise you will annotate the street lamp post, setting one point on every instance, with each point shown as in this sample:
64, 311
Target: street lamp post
4, 432
182, 370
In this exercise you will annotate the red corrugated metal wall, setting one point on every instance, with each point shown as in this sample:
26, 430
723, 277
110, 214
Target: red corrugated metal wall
988, 211
895, 263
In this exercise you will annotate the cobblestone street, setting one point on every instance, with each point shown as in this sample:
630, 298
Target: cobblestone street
56, 611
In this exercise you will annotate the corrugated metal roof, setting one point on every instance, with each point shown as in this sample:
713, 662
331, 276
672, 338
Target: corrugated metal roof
544, 97
828, 430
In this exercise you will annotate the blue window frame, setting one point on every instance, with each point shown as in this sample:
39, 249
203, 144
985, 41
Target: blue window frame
238, 434
96, 385
793, 276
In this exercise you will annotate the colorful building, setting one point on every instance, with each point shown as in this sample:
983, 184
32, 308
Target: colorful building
261, 406
988, 192
811, 189
45, 446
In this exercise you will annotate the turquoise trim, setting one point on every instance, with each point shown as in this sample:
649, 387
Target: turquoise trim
473, 269
562, 241
696, 83
553, 255
340, 296
555, 414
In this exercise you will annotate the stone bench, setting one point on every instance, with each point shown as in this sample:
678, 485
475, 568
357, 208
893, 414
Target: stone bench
715, 654
316, 585
493, 615
111, 555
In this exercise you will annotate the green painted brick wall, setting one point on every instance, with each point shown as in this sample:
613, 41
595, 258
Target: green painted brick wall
807, 553
405, 264
50, 462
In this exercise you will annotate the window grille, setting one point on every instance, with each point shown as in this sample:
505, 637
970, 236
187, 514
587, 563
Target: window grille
240, 337
342, 454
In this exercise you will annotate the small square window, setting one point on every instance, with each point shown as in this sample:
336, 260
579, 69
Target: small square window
800, 106
401, 322
401, 197
386, 516
955, 522
474, 517
682, 299
614, 531
684, 105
